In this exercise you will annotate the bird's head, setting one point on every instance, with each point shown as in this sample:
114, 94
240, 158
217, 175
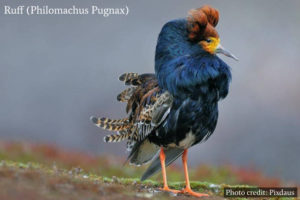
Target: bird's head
201, 30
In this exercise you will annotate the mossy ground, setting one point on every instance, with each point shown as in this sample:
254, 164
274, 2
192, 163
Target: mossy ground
45, 172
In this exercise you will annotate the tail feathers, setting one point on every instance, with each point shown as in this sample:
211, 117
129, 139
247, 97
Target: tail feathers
126, 94
135, 79
105, 120
142, 152
129, 78
114, 127
110, 124
117, 137
171, 155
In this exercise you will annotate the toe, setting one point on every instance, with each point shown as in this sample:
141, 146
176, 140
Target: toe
192, 193
167, 189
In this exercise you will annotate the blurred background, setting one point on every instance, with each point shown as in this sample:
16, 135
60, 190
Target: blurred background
57, 71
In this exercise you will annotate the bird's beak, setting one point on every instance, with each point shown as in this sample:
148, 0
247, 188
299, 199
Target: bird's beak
220, 49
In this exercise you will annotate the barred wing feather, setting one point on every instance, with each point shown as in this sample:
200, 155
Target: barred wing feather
147, 106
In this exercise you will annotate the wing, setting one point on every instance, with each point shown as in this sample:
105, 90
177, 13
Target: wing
147, 106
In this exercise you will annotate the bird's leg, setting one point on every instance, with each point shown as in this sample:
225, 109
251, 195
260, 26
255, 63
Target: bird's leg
187, 188
162, 157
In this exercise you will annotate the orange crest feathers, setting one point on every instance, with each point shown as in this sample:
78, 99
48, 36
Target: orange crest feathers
202, 23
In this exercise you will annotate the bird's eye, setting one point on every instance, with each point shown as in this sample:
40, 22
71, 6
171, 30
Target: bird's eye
208, 40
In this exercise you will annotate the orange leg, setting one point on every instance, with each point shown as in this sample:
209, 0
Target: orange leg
187, 188
162, 157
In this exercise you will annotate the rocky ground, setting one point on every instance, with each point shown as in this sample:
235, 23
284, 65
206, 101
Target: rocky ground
45, 172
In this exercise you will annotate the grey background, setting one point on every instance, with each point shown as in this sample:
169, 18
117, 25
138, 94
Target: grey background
57, 71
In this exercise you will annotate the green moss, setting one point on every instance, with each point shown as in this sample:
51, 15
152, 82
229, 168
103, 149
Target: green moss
87, 171
83, 179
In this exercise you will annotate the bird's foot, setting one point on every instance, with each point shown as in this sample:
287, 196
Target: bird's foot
167, 189
192, 193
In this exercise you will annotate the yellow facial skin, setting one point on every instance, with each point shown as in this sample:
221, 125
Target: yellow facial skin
210, 44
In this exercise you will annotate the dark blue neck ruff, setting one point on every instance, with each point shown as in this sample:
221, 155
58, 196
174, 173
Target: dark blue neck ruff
183, 67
